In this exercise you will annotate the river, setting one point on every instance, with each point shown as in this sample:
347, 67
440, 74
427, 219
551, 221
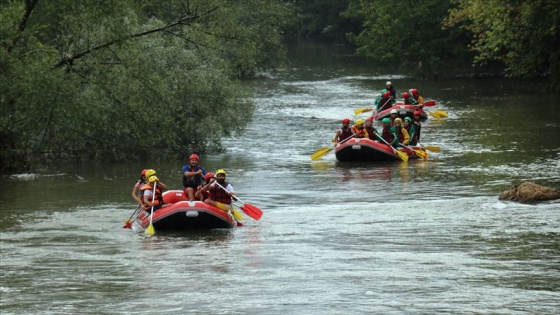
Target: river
424, 237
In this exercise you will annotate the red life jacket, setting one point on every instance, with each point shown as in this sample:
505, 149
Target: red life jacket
158, 199
219, 195
400, 135
344, 134
387, 135
370, 132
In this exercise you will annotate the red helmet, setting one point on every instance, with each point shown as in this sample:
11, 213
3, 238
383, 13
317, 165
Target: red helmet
417, 113
405, 95
143, 172
346, 121
414, 92
194, 156
370, 118
386, 94
208, 176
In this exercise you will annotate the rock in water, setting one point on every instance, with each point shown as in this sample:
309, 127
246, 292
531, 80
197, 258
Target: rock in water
529, 192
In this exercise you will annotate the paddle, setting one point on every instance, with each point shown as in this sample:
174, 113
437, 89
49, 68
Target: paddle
365, 110
249, 209
324, 150
359, 111
400, 154
421, 154
428, 103
438, 114
432, 148
128, 223
150, 230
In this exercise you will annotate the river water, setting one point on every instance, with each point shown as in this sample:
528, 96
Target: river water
336, 238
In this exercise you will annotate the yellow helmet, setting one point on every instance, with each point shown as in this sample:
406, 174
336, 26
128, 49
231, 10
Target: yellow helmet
359, 122
220, 171
150, 173
153, 179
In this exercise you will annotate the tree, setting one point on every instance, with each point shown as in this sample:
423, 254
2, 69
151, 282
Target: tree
131, 78
524, 35
407, 35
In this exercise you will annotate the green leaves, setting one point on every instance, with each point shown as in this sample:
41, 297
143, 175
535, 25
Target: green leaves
131, 78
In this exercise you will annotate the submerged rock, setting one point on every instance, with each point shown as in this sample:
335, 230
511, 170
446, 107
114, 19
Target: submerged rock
529, 192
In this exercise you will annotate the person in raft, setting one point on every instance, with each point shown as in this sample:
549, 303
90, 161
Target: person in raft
393, 115
343, 133
371, 131
417, 97
358, 129
384, 102
391, 89
408, 99
388, 133
203, 195
193, 175
220, 197
136, 193
409, 126
402, 138
148, 192
417, 128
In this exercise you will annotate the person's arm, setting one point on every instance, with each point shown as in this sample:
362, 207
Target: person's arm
420, 99
406, 136
337, 136
135, 193
395, 141
161, 185
207, 187
148, 197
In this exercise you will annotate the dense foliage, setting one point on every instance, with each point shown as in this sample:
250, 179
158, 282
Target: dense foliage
128, 79
524, 35
408, 36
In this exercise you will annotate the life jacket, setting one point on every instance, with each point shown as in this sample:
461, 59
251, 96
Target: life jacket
371, 132
220, 195
345, 133
400, 134
192, 181
361, 133
158, 199
384, 103
387, 135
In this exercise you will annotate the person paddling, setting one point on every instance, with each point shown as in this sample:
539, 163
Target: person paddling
358, 129
343, 133
148, 193
417, 127
220, 197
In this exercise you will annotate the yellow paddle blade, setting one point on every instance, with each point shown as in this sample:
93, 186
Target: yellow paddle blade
421, 154
150, 230
237, 215
402, 155
442, 113
433, 148
320, 153
362, 110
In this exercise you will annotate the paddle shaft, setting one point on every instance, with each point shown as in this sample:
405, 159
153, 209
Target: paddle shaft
150, 227
394, 150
